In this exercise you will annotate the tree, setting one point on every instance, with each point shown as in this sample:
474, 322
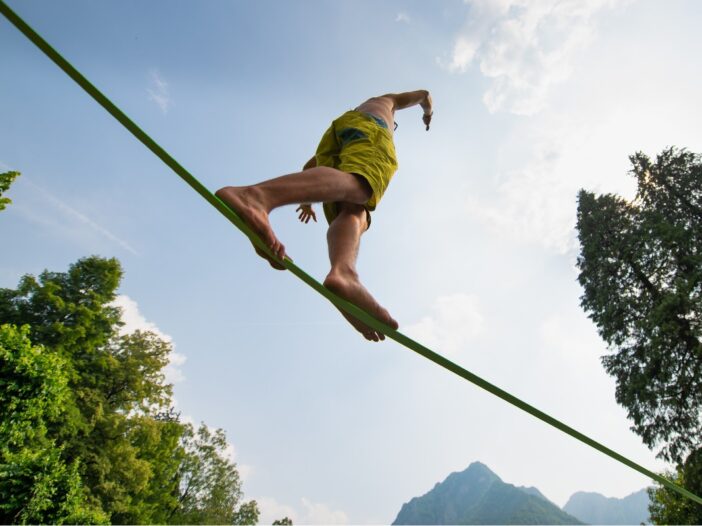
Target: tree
109, 376
210, 488
669, 507
283, 522
6, 180
641, 270
117, 445
36, 484
247, 513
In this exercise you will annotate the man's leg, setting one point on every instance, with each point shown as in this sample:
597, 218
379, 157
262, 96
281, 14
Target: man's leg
320, 184
344, 236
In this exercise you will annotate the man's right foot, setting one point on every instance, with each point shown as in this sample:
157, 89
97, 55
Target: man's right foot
351, 289
244, 202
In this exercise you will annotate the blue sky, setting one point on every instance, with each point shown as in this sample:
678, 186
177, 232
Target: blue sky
472, 249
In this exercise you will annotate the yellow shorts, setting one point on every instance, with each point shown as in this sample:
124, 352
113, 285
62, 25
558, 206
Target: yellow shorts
359, 143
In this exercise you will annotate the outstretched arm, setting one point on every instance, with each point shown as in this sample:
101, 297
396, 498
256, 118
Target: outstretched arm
408, 99
411, 98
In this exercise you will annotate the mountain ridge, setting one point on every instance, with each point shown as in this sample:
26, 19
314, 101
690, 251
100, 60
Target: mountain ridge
595, 508
477, 495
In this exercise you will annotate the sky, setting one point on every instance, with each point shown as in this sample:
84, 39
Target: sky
473, 248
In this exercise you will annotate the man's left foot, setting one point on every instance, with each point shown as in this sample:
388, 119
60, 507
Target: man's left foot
243, 201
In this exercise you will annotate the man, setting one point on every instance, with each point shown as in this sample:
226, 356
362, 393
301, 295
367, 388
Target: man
349, 173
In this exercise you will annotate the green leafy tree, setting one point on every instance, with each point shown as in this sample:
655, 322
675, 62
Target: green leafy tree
109, 376
210, 488
247, 513
6, 180
283, 522
641, 271
118, 444
36, 484
669, 507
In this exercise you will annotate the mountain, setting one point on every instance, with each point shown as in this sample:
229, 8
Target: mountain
478, 496
594, 508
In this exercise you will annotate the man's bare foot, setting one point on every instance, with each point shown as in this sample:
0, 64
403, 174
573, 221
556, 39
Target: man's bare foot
270, 260
351, 289
247, 205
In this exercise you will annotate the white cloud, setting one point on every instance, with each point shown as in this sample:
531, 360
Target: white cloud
158, 91
403, 17
454, 322
317, 513
307, 513
271, 510
135, 321
583, 145
535, 203
524, 46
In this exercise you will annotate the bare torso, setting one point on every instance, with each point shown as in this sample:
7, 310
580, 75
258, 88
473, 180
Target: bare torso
382, 107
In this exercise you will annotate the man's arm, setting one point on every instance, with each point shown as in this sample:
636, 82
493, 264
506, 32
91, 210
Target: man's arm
400, 101
411, 98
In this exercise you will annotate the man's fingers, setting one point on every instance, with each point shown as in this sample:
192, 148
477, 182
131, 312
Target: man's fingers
427, 119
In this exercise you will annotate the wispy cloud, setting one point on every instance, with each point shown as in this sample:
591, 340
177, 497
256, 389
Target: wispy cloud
582, 145
158, 91
403, 17
455, 321
71, 213
134, 320
535, 202
524, 47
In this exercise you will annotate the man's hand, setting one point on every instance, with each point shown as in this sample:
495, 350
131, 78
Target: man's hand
428, 108
306, 212
427, 119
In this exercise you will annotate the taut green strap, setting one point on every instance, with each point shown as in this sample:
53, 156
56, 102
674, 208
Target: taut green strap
336, 300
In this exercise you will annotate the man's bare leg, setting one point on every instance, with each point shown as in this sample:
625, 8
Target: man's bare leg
344, 236
319, 184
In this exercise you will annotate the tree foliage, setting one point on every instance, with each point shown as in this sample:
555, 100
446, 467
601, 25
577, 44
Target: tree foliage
87, 432
669, 507
641, 271
6, 180
210, 488
36, 483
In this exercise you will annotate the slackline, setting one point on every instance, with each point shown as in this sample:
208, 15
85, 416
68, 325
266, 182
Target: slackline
336, 300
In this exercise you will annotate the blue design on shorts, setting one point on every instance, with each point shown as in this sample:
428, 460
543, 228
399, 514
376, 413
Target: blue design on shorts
377, 119
348, 135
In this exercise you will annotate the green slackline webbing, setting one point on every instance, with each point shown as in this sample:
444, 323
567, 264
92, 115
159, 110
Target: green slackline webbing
339, 302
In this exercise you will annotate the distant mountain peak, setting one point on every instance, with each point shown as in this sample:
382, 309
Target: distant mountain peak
594, 508
478, 465
478, 496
